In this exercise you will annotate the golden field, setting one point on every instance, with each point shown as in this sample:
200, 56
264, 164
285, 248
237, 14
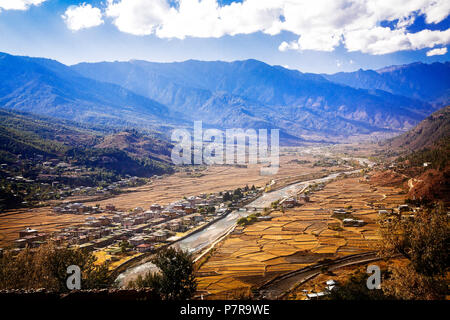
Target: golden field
212, 179
297, 238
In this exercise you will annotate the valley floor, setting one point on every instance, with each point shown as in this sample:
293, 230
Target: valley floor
162, 191
299, 237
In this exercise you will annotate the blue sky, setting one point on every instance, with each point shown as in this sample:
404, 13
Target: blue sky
312, 36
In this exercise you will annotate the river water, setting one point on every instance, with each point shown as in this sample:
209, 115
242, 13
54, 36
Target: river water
199, 240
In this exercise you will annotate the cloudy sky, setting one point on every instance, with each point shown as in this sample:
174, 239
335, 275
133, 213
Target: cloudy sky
309, 35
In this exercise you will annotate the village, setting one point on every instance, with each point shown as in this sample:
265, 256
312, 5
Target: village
122, 234
35, 181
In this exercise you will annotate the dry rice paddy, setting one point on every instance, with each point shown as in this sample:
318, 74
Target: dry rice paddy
259, 252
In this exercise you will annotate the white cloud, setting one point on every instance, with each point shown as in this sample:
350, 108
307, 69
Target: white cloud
320, 25
82, 17
437, 52
326, 41
284, 46
195, 18
436, 11
380, 40
18, 4
324, 25
138, 17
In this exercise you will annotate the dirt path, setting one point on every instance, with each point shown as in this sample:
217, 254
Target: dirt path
280, 286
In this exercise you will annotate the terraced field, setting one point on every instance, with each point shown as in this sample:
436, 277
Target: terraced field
299, 237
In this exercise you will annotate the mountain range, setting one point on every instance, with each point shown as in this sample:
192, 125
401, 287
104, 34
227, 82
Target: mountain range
243, 94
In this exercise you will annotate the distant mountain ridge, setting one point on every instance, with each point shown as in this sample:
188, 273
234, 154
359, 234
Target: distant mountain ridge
242, 94
251, 93
427, 82
47, 87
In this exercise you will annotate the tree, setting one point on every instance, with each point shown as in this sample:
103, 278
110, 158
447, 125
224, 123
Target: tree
236, 198
56, 260
424, 242
275, 204
355, 288
407, 284
238, 193
226, 196
97, 277
46, 267
242, 221
124, 246
175, 279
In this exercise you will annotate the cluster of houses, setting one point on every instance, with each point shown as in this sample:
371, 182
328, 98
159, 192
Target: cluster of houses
62, 177
403, 211
31, 238
137, 227
19, 179
142, 229
290, 202
403, 208
349, 221
114, 186
328, 162
87, 190
76, 208
329, 286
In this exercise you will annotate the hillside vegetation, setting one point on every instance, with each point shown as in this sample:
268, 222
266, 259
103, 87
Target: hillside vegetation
45, 159
26, 136
424, 156
426, 134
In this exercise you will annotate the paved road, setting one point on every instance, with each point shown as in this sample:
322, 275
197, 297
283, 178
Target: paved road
278, 287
